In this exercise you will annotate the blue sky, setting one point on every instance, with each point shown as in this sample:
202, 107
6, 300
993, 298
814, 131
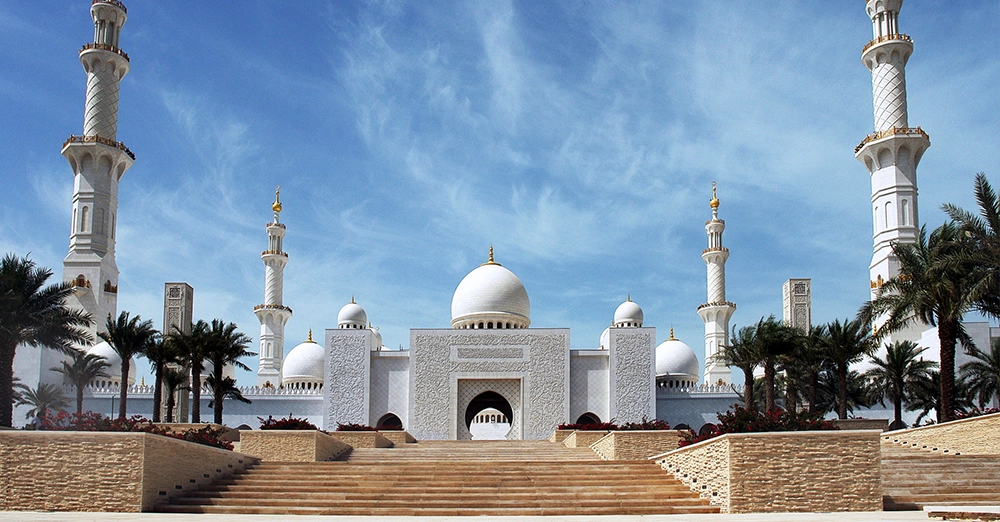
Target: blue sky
581, 139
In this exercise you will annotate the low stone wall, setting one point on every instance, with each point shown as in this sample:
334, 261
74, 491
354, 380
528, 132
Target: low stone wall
861, 424
103, 471
292, 445
398, 437
230, 434
583, 438
560, 435
818, 471
363, 439
973, 436
636, 445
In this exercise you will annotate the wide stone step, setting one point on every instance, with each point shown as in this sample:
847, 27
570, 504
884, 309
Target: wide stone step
438, 512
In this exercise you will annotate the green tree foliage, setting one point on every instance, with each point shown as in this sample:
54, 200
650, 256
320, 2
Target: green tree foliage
83, 368
226, 388
174, 380
43, 399
741, 352
128, 337
845, 344
983, 374
160, 353
192, 349
896, 377
226, 346
936, 286
34, 314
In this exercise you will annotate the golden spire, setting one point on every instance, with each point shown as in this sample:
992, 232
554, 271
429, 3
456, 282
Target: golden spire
714, 203
672, 338
310, 339
276, 206
491, 261
352, 299
628, 297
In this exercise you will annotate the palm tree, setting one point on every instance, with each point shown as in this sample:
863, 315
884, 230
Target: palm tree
846, 343
42, 399
741, 352
895, 376
16, 388
812, 362
936, 286
775, 340
84, 368
829, 391
160, 353
983, 373
226, 389
174, 380
984, 231
192, 349
226, 346
128, 337
33, 314
927, 396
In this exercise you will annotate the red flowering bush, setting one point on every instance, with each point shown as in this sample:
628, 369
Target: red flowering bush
291, 423
646, 424
354, 427
742, 420
92, 421
597, 426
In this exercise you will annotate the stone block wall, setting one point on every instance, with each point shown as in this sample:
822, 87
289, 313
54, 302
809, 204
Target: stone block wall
818, 471
114, 472
974, 436
398, 437
560, 435
292, 445
861, 424
583, 438
636, 445
363, 439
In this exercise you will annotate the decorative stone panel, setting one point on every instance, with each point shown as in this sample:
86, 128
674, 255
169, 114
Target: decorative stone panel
440, 358
348, 365
633, 374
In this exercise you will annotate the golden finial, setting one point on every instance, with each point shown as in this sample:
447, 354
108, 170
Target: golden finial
491, 261
714, 203
352, 299
672, 338
276, 206
143, 383
310, 339
628, 297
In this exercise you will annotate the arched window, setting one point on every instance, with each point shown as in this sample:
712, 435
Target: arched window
588, 418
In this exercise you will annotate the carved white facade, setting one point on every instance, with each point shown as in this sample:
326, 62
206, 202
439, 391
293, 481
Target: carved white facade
796, 303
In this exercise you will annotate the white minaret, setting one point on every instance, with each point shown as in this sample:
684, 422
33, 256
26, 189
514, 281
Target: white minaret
892, 152
273, 314
717, 311
98, 162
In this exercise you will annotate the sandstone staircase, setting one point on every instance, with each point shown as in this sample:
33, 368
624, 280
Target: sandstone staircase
450, 478
913, 478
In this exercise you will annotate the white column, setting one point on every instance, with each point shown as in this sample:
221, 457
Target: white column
272, 313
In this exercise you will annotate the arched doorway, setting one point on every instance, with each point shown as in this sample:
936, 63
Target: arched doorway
588, 418
389, 421
491, 414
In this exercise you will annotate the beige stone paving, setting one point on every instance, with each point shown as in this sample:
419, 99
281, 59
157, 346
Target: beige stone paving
763, 517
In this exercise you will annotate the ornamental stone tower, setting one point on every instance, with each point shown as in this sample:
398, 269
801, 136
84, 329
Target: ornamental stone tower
273, 315
98, 161
891, 153
717, 311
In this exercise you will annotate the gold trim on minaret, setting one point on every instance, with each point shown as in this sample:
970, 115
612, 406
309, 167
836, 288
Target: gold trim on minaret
672, 338
714, 203
310, 339
276, 206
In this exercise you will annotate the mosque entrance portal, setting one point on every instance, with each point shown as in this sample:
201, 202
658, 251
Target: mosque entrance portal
489, 409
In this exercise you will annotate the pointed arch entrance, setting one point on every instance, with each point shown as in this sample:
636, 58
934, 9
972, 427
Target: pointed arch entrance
477, 395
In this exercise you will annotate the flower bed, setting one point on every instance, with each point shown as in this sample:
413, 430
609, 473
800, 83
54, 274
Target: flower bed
206, 434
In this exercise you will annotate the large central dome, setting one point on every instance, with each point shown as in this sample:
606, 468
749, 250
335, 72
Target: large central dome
490, 297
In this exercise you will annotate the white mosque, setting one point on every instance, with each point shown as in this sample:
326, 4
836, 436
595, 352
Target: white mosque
491, 374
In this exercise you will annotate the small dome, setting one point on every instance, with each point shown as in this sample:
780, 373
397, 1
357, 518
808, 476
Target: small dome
304, 364
605, 339
490, 297
352, 316
114, 371
676, 361
628, 314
